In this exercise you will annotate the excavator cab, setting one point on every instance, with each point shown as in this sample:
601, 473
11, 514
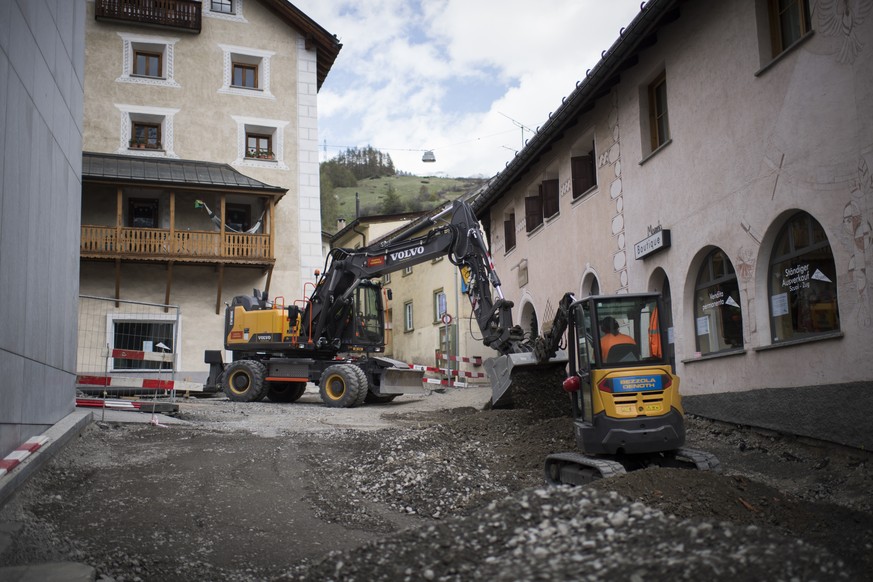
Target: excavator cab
365, 330
624, 394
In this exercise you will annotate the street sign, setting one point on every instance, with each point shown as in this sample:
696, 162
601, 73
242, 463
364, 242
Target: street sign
447, 319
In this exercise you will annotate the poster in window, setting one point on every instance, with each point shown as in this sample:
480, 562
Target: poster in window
703, 325
779, 304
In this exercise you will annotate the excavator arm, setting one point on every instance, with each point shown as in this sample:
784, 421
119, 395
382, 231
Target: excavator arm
459, 239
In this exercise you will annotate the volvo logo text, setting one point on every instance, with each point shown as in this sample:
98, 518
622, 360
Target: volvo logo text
407, 254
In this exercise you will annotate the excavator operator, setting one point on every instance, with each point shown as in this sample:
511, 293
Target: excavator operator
611, 336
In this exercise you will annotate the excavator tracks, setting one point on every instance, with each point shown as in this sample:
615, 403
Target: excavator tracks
579, 469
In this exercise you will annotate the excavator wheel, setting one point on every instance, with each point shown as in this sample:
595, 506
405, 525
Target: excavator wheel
365, 385
243, 381
340, 386
285, 391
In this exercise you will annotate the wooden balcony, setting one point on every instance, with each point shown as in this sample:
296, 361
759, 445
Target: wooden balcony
184, 15
185, 246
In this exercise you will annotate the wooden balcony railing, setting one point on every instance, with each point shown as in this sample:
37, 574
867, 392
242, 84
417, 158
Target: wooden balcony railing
177, 14
184, 245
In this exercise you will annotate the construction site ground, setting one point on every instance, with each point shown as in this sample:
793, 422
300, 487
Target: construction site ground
429, 488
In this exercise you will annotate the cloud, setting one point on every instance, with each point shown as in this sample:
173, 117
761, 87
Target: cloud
455, 76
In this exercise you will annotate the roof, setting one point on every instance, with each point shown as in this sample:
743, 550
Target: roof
189, 174
640, 34
326, 44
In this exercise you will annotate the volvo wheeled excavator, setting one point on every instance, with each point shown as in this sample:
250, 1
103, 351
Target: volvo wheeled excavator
335, 338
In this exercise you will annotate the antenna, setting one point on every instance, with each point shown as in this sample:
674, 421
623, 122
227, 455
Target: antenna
519, 125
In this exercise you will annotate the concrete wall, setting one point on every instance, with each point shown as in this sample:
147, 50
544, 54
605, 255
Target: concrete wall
41, 96
751, 145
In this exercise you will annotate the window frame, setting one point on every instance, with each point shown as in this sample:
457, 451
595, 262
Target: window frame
245, 67
715, 279
149, 143
509, 231
221, 3
258, 152
793, 254
550, 193
657, 99
170, 319
408, 317
436, 305
778, 44
148, 55
134, 203
234, 56
533, 213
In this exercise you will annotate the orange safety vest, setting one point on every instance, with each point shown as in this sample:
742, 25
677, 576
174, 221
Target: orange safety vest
608, 340
654, 335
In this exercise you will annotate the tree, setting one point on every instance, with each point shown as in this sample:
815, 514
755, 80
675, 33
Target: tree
329, 204
391, 202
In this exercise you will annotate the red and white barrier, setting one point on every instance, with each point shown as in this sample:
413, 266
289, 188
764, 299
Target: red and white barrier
16, 457
475, 360
143, 356
449, 383
140, 383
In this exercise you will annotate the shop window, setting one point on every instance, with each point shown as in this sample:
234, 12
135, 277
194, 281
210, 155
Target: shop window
803, 282
509, 231
408, 322
583, 172
718, 318
142, 213
549, 194
659, 125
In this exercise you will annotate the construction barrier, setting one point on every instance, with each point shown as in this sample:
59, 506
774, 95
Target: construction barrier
128, 348
451, 377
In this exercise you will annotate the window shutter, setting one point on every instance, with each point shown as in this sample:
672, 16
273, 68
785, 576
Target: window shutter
582, 168
549, 189
533, 212
509, 232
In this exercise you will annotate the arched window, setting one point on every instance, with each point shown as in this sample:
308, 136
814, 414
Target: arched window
718, 318
803, 282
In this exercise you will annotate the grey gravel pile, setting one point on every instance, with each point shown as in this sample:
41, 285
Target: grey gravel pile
577, 534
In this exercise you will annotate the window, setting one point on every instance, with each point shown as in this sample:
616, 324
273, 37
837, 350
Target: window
142, 336
386, 278
245, 75
259, 146
789, 21
439, 305
238, 217
583, 172
533, 212
142, 213
658, 120
509, 231
223, 6
147, 60
408, 322
718, 318
803, 283
407, 271
246, 72
549, 193
146, 64
145, 135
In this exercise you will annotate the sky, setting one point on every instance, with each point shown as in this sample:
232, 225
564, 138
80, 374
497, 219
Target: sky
466, 79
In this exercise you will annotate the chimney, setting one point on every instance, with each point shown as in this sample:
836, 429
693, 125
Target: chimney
340, 224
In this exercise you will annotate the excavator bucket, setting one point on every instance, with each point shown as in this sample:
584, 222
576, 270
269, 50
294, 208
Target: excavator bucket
525, 372
402, 381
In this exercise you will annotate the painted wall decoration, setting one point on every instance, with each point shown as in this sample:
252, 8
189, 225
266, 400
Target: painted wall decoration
858, 237
842, 19
611, 156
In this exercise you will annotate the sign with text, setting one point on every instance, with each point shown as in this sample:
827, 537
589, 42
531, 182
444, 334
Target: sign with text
653, 243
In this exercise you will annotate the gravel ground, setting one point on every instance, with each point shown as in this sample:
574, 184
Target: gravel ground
432, 488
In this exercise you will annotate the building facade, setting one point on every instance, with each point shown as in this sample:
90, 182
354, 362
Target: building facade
719, 153
42, 50
200, 177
